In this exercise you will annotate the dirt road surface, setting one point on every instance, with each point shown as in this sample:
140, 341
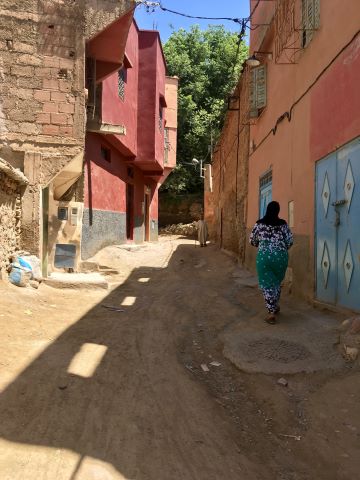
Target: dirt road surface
92, 393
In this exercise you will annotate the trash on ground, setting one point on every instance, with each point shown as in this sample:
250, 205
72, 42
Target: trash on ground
295, 437
20, 271
28, 312
215, 364
113, 309
204, 367
283, 382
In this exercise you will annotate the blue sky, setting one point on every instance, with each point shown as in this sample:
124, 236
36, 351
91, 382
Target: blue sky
162, 21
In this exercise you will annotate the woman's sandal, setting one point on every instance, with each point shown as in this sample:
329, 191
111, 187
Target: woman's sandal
270, 319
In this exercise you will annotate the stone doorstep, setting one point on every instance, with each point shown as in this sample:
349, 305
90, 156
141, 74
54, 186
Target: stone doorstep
77, 281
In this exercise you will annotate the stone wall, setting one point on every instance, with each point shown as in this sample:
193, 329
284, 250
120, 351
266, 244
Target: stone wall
10, 217
42, 89
226, 200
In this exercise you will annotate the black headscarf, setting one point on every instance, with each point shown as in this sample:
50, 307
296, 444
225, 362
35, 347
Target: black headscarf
272, 215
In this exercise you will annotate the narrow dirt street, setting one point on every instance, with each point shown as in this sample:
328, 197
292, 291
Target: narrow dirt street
97, 393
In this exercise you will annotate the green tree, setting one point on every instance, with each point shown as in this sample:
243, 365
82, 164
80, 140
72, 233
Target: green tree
208, 66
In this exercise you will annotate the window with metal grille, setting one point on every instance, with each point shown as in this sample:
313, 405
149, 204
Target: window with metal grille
310, 20
258, 82
122, 77
265, 192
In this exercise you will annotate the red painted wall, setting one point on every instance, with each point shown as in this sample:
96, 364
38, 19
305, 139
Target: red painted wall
151, 84
335, 119
107, 182
117, 111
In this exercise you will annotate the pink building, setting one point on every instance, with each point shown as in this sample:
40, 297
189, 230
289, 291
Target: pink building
305, 139
130, 142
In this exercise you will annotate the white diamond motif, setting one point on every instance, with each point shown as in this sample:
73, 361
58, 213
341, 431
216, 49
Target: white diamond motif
325, 264
349, 185
348, 265
325, 195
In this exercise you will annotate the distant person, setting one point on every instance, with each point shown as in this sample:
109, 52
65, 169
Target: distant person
202, 232
273, 237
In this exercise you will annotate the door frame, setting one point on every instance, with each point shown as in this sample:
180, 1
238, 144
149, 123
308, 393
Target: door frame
130, 200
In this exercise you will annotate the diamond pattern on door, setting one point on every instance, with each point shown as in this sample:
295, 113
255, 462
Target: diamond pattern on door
325, 264
349, 185
325, 195
348, 265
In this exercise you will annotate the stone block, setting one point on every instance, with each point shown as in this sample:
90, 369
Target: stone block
50, 61
58, 96
66, 108
42, 95
30, 82
22, 93
50, 107
22, 71
50, 129
66, 63
65, 85
50, 84
29, 128
59, 119
43, 72
43, 118
27, 59
24, 47
67, 131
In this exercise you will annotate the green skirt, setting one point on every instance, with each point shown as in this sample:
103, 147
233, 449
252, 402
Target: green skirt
271, 267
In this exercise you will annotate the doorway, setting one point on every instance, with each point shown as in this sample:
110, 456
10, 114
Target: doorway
45, 231
338, 228
147, 217
129, 211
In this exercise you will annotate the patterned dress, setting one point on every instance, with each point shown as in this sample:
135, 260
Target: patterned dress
273, 243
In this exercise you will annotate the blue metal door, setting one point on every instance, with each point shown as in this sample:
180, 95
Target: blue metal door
338, 227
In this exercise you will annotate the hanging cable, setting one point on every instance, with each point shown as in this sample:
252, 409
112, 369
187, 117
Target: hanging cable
152, 5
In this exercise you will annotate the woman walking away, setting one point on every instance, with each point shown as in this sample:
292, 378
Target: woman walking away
273, 237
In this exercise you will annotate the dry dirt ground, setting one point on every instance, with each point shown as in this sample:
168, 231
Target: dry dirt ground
90, 393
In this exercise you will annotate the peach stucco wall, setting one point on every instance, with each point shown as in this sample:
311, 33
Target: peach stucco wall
324, 119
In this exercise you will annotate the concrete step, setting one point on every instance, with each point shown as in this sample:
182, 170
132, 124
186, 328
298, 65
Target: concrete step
88, 281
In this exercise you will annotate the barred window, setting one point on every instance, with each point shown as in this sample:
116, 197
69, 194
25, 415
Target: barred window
122, 77
310, 20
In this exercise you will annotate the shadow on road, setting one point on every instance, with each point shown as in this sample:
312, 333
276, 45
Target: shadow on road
95, 410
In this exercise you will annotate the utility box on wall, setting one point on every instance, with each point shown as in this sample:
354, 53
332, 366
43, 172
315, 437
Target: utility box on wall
64, 239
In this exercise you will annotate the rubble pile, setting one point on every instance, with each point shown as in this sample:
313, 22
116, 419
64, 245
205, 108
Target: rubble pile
187, 229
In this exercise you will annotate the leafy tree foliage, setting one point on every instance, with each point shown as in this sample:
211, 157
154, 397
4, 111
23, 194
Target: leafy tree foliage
208, 67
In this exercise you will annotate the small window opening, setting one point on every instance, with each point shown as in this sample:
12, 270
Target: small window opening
106, 154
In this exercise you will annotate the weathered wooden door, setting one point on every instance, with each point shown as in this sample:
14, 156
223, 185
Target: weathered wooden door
338, 227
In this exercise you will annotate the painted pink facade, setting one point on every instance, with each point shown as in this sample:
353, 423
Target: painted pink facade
312, 105
126, 147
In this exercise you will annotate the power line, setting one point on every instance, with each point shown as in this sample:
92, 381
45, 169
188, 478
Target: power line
150, 5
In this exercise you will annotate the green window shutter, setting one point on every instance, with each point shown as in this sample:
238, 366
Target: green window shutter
261, 87
253, 109
316, 14
310, 19
257, 90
